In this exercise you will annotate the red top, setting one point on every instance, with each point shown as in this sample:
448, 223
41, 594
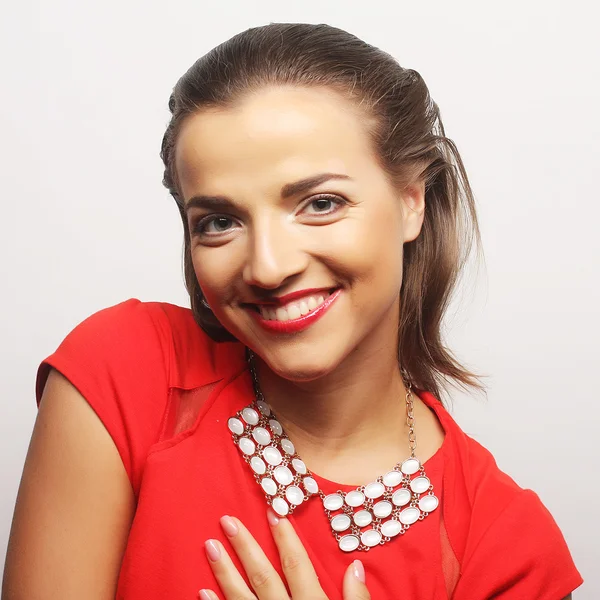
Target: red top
164, 391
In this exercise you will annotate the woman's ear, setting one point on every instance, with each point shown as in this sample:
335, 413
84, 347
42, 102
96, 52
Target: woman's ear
413, 210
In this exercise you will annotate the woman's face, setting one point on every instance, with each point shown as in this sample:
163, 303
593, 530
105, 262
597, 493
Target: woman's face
296, 232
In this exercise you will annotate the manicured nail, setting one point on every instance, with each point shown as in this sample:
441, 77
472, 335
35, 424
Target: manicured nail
229, 526
212, 550
204, 595
358, 570
272, 517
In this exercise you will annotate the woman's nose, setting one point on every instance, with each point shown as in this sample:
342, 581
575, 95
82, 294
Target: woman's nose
274, 255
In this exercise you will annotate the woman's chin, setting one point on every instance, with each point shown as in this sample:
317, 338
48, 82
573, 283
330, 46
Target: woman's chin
300, 368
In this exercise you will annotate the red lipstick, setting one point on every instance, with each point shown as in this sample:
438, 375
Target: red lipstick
299, 324
281, 300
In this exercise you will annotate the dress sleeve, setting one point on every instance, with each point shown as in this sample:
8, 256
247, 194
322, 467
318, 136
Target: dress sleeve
118, 360
523, 554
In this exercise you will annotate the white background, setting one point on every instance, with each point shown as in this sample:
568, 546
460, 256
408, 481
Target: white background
85, 222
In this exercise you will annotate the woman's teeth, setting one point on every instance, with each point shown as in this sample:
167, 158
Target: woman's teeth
293, 310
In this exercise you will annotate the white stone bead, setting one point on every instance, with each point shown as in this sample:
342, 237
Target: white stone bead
349, 543
299, 466
250, 416
283, 475
235, 426
410, 466
294, 495
392, 478
264, 408
333, 502
428, 503
280, 506
246, 445
276, 427
401, 497
363, 518
370, 538
355, 498
383, 509
420, 484
340, 523
269, 486
272, 455
258, 465
374, 490
287, 446
261, 435
312, 487
409, 515
391, 528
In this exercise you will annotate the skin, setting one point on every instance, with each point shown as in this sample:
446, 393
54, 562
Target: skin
336, 386
266, 583
74, 507
75, 504
261, 244
300, 575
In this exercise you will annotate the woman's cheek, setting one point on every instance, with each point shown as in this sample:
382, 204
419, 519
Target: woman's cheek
369, 253
214, 272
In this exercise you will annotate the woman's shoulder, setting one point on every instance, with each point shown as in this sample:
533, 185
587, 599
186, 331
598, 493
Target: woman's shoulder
498, 527
483, 490
126, 360
471, 466
509, 534
151, 332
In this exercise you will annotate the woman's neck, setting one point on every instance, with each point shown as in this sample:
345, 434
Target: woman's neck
358, 408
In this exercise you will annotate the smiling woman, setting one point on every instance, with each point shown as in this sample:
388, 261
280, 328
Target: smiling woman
287, 436
287, 220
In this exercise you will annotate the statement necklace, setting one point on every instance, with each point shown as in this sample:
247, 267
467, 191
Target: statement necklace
360, 519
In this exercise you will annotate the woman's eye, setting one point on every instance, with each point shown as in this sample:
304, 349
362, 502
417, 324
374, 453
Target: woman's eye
324, 205
214, 225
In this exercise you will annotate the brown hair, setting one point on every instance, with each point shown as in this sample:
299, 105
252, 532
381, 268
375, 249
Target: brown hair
410, 143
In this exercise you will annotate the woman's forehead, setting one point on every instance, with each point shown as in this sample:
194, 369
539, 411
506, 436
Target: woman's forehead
280, 133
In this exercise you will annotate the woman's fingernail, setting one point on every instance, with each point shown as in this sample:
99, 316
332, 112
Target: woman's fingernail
272, 517
229, 526
204, 595
212, 550
358, 570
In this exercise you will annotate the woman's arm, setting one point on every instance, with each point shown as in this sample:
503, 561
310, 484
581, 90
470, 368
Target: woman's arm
74, 507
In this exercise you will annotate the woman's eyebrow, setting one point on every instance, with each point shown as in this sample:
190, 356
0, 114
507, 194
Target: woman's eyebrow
304, 185
287, 191
209, 203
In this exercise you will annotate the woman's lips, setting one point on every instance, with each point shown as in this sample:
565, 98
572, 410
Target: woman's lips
292, 325
293, 306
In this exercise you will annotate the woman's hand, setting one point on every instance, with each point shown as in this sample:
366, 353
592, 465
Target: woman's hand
266, 583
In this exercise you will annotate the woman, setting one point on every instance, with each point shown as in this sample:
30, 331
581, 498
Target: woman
288, 430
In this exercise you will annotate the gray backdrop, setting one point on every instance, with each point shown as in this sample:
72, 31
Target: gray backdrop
86, 223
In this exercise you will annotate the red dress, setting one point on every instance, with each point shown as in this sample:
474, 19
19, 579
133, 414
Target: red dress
164, 391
